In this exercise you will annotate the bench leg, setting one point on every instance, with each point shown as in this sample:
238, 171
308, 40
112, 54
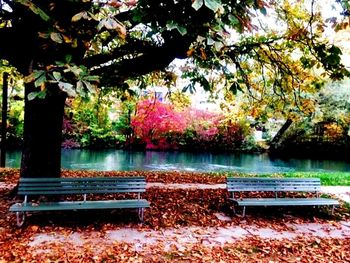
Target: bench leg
141, 214
333, 209
20, 218
234, 210
243, 212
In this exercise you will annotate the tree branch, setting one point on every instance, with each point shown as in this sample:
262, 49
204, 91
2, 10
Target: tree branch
150, 59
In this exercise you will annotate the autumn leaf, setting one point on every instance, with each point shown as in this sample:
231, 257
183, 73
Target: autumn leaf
57, 37
115, 3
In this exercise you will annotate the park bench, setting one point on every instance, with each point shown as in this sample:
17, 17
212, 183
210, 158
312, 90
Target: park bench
277, 186
84, 188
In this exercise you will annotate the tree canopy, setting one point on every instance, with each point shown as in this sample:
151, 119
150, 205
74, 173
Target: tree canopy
277, 51
254, 44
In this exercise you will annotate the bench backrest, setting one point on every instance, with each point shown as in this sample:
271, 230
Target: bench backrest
235, 184
90, 185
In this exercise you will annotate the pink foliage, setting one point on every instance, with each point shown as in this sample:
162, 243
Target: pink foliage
159, 126
205, 123
154, 120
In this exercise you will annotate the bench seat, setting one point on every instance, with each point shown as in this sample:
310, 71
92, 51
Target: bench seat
275, 186
105, 187
284, 201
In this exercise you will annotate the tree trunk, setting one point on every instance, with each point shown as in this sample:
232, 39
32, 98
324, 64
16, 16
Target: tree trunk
4, 120
43, 119
275, 141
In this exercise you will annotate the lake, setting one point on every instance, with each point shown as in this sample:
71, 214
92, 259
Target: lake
107, 160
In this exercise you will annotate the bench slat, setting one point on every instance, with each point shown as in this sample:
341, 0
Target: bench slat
55, 206
273, 184
74, 192
79, 179
91, 185
285, 201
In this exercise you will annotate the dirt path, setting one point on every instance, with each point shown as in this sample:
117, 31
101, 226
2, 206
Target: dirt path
205, 235
181, 238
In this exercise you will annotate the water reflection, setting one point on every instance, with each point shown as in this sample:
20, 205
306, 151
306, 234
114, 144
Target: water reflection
107, 160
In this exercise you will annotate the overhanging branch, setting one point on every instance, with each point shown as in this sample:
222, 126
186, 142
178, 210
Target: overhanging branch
152, 58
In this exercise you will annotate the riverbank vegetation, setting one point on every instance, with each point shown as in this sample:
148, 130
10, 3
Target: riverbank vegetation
107, 120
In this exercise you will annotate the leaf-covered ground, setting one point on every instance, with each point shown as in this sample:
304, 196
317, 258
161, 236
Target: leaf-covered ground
171, 209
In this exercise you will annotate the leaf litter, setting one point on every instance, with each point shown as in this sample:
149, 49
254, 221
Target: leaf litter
182, 225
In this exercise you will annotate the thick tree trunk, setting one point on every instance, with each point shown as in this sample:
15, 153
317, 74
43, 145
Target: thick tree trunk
43, 119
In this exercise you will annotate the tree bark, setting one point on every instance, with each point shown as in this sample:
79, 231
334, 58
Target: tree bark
275, 141
43, 119
4, 120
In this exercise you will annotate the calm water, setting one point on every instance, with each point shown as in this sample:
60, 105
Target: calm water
108, 160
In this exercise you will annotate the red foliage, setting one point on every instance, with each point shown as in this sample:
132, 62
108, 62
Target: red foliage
158, 125
155, 120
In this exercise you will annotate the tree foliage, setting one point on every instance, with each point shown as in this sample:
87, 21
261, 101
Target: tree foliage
158, 125
154, 121
76, 43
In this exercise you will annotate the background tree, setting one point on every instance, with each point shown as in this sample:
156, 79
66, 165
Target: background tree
15, 105
68, 45
154, 121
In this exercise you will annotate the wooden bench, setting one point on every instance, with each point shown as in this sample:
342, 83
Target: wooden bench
276, 186
84, 187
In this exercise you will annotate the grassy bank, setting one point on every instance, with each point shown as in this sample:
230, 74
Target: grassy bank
327, 178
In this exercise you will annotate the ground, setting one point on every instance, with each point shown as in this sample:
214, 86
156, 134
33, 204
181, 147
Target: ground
190, 220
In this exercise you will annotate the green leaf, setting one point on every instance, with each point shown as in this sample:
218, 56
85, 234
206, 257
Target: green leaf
77, 71
182, 30
80, 87
34, 9
35, 94
234, 21
235, 87
92, 78
173, 25
190, 87
333, 59
32, 95
68, 88
56, 37
197, 4
40, 80
204, 83
41, 94
89, 86
213, 5
38, 73
335, 50
68, 58
57, 75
